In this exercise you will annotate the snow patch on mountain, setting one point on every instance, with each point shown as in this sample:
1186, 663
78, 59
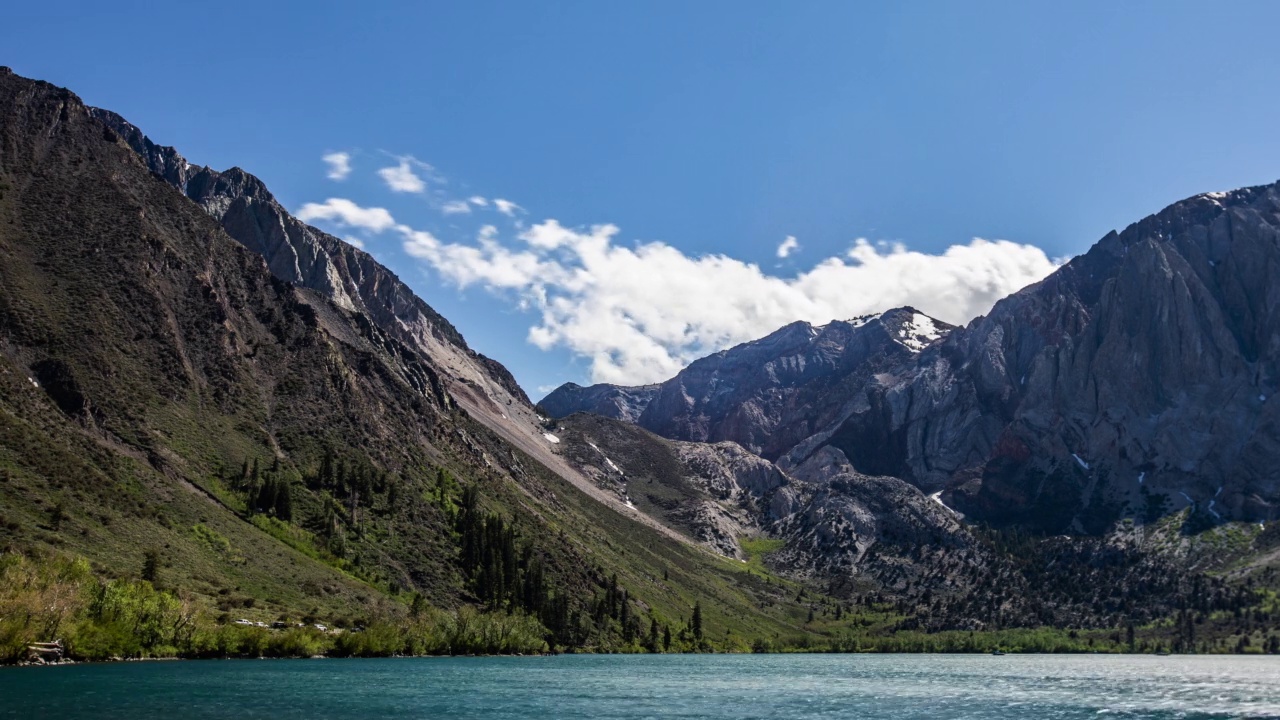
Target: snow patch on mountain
919, 332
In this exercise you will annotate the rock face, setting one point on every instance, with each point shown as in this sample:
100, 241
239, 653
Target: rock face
767, 395
300, 254
611, 401
1135, 380
829, 515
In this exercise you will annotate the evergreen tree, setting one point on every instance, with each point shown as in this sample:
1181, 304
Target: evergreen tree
284, 502
696, 623
151, 565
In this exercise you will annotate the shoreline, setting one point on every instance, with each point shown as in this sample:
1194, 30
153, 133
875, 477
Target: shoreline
116, 661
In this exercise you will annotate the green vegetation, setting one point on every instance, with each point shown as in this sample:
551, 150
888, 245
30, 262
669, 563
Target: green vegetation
53, 597
756, 550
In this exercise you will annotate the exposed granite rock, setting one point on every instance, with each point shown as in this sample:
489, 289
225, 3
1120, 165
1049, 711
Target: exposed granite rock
843, 514
1140, 374
712, 493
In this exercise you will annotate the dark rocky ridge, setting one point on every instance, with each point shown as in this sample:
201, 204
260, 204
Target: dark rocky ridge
305, 256
1137, 379
606, 400
767, 395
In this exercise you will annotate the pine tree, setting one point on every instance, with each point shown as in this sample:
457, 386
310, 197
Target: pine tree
624, 617
696, 623
284, 502
151, 565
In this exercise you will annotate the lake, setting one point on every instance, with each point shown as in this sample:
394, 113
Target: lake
680, 686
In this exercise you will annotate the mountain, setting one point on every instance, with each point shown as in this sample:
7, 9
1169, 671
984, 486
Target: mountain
190, 374
1135, 381
606, 400
766, 395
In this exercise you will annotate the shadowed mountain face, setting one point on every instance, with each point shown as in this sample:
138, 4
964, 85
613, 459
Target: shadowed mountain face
611, 401
300, 254
767, 395
1135, 381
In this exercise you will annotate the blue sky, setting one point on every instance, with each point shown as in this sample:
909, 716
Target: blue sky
703, 134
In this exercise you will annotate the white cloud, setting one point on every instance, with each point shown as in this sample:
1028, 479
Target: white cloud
478, 201
345, 212
455, 207
788, 246
355, 242
402, 178
639, 313
339, 165
506, 207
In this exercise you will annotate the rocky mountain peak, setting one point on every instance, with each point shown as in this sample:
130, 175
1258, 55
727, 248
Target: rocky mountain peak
305, 256
766, 394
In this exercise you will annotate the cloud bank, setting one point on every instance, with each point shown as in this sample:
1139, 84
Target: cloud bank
639, 313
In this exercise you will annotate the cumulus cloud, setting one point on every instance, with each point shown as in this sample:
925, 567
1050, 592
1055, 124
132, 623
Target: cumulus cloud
478, 201
788, 246
339, 165
401, 177
506, 207
455, 207
348, 214
638, 313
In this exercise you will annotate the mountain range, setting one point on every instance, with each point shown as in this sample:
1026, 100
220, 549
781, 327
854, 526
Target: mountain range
1134, 382
189, 372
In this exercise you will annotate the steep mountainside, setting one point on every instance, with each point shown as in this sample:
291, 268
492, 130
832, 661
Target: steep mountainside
304, 256
276, 416
1135, 381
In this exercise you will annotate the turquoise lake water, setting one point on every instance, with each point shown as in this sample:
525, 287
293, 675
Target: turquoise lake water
699, 686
